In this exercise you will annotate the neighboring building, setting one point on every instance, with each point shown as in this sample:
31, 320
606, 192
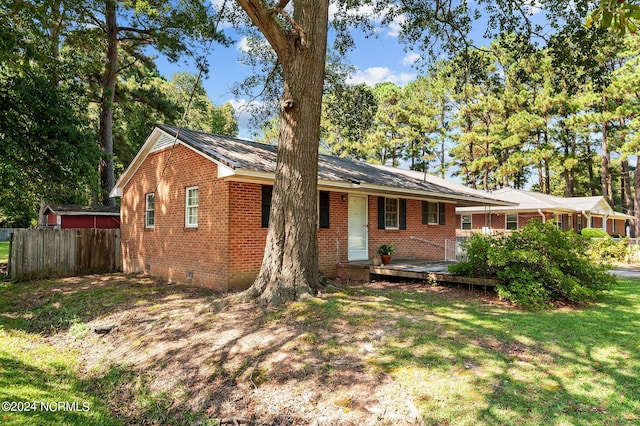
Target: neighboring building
573, 213
196, 209
65, 217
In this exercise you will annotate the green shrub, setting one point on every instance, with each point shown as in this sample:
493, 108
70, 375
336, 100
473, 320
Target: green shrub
477, 249
607, 249
537, 266
594, 233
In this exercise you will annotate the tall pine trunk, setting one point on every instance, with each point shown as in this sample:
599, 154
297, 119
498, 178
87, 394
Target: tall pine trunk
290, 264
605, 178
107, 175
625, 182
635, 225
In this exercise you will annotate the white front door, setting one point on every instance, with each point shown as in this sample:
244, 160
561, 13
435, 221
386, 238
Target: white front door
358, 248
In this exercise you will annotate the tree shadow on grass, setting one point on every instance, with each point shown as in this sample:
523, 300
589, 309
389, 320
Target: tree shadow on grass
343, 355
577, 366
34, 396
50, 306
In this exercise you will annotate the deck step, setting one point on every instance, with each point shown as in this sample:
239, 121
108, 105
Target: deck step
432, 277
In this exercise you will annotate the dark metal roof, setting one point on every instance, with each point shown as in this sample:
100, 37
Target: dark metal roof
84, 210
243, 154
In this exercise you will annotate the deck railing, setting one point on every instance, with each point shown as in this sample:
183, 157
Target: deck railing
452, 251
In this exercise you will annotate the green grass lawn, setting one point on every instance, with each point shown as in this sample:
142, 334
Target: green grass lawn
4, 251
455, 360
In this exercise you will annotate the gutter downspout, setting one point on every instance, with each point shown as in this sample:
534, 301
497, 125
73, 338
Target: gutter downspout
588, 216
544, 218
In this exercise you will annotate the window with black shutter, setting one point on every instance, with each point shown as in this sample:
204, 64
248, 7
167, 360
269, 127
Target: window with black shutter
324, 209
392, 213
267, 191
433, 213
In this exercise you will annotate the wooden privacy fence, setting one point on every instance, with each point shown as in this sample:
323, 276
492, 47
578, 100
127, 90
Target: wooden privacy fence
46, 253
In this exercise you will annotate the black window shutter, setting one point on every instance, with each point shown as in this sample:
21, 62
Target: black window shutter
402, 207
324, 209
425, 215
266, 204
441, 213
380, 212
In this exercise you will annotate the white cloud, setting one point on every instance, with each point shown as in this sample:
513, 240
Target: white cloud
410, 58
218, 6
243, 109
243, 45
362, 11
370, 13
533, 7
396, 25
372, 76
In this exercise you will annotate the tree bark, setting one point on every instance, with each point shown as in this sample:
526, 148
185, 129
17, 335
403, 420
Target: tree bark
625, 177
605, 180
107, 175
592, 183
635, 226
290, 264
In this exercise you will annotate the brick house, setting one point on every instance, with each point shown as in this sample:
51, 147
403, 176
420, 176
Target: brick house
195, 208
573, 213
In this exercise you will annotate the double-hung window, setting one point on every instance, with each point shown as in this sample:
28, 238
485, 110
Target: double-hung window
466, 222
432, 213
191, 207
150, 210
512, 222
391, 213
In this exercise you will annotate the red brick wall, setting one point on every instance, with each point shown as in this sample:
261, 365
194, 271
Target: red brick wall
401, 239
498, 220
333, 241
246, 235
620, 227
226, 250
248, 238
169, 249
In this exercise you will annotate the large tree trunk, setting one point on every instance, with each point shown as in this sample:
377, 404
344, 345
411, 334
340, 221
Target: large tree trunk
290, 265
605, 179
625, 186
635, 225
625, 177
107, 175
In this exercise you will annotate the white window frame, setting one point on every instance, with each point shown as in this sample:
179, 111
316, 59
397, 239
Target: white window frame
429, 212
462, 222
150, 223
507, 221
189, 208
387, 213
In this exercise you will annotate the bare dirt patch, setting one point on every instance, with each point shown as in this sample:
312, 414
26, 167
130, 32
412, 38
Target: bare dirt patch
241, 362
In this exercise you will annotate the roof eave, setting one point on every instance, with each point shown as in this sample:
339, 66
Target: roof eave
246, 175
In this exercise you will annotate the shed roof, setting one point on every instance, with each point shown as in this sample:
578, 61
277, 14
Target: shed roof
73, 210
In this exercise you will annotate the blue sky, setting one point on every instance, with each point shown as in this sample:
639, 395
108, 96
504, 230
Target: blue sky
376, 59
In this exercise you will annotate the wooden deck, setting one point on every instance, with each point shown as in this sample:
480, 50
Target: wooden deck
432, 272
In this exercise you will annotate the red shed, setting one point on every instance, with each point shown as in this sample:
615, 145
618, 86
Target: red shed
64, 217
